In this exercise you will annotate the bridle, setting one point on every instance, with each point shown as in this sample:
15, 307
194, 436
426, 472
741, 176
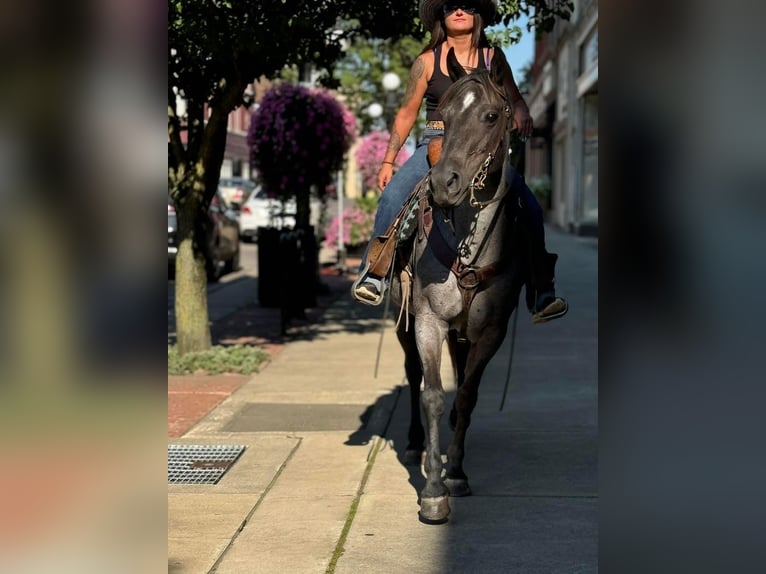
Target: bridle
477, 181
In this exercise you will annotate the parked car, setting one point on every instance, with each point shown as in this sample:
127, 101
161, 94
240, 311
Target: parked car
262, 211
235, 190
222, 247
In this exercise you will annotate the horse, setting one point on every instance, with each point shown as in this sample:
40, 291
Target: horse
463, 276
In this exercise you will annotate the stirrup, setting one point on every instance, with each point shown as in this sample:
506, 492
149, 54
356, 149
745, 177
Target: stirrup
355, 287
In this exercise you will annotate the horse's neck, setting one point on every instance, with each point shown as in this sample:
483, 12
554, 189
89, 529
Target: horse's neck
476, 235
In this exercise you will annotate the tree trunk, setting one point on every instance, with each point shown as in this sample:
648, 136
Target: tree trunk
192, 324
196, 188
307, 270
192, 319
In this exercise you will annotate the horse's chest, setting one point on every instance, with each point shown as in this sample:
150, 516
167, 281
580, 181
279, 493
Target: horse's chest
437, 292
441, 297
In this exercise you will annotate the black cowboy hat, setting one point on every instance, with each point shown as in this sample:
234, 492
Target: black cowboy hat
431, 11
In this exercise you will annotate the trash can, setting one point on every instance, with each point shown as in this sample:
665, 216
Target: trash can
288, 269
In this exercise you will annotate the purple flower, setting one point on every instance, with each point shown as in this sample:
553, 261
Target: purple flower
298, 137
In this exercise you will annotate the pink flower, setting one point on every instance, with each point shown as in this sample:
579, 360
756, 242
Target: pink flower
370, 155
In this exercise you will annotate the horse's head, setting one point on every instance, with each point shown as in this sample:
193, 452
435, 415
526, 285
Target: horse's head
476, 120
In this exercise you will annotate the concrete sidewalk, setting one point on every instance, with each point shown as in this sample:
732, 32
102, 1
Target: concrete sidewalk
319, 487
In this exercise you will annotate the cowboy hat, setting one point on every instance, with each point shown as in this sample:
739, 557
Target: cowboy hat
431, 11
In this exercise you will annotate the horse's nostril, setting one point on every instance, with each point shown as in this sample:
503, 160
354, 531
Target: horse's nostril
453, 182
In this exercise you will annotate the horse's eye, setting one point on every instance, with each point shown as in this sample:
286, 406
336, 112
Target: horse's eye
491, 117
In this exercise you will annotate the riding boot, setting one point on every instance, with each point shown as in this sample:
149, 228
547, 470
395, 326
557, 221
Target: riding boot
541, 297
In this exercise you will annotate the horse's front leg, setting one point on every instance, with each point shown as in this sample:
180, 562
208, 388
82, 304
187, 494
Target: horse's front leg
472, 369
414, 372
434, 498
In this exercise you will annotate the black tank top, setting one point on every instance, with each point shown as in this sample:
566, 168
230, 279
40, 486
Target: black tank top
439, 83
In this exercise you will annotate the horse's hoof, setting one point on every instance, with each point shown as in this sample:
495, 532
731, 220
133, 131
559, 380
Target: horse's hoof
412, 457
434, 510
458, 486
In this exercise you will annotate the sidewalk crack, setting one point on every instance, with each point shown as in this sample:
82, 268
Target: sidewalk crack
255, 507
340, 546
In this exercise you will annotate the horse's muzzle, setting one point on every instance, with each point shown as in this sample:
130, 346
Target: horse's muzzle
446, 186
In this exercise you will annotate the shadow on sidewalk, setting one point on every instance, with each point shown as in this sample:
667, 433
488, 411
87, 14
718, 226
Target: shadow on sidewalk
534, 506
253, 324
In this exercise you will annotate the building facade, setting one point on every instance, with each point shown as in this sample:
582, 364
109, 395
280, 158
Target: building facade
563, 102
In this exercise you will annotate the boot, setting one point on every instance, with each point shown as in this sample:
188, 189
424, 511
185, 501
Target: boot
369, 291
542, 301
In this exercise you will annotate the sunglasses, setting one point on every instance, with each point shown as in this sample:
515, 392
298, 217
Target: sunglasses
467, 8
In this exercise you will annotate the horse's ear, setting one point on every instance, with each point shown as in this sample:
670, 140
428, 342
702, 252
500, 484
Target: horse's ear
456, 71
498, 67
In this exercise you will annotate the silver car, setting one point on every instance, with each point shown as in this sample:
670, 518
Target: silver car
222, 254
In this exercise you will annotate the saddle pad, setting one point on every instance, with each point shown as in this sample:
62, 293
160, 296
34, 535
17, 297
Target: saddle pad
410, 219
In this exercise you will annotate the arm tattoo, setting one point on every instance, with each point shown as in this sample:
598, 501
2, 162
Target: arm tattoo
395, 141
416, 72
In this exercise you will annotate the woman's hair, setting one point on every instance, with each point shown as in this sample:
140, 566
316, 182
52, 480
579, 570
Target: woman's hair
439, 34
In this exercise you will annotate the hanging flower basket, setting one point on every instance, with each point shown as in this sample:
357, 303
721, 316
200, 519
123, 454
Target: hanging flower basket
298, 138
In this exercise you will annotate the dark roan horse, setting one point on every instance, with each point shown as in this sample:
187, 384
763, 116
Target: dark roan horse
465, 280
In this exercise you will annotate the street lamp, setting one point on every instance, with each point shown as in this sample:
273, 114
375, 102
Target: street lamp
374, 110
391, 83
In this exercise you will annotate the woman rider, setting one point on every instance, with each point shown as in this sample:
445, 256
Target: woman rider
457, 25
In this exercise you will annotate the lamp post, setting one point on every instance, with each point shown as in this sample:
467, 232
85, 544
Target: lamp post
374, 110
391, 83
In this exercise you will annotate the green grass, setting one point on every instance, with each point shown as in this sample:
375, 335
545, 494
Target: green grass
239, 359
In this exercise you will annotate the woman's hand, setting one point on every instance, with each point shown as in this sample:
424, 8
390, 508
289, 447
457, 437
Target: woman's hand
522, 121
384, 175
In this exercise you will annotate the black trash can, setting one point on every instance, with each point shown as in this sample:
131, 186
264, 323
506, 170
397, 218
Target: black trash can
288, 269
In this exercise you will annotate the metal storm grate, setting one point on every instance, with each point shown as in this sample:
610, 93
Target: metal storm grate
200, 464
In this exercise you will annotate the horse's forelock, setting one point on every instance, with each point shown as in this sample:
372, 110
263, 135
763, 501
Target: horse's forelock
455, 91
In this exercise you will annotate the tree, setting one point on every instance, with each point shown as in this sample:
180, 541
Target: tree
215, 49
361, 70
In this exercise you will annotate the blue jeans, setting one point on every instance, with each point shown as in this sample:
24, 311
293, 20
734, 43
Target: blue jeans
531, 212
